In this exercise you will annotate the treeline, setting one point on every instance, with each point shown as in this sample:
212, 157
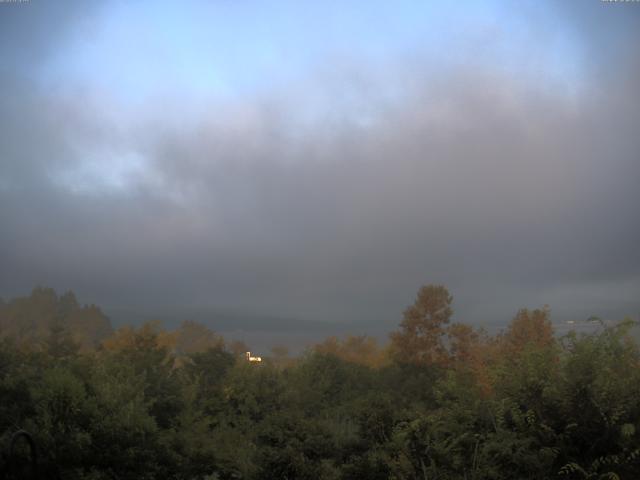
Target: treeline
441, 401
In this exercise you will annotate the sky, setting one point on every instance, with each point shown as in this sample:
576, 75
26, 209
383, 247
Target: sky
320, 161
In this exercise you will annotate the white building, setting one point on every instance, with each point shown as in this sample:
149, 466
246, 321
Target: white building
252, 359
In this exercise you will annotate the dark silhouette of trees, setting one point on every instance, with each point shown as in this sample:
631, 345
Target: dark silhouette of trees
33, 319
445, 401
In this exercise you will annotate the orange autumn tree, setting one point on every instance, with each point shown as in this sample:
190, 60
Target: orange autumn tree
464, 342
420, 340
194, 337
470, 352
525, 359
528, 328
360, 349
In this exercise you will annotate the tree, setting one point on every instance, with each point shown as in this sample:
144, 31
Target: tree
238, 348
194, 337
209, 369
67, 303
463, 342
88, 325
33, 319
145, 350
529, 328
360, 349
420, 339
59, 344
280, 356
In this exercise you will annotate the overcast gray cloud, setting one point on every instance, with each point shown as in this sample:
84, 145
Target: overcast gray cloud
336, 195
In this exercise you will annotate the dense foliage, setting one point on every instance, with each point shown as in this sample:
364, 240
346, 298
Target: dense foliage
443, 401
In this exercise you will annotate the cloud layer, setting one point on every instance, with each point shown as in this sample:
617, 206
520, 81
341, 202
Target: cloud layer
336, 194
